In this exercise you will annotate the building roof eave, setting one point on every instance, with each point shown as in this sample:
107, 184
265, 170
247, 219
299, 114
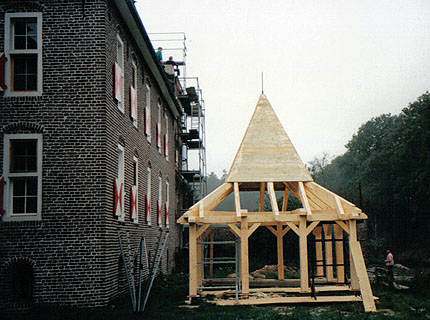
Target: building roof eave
135, 25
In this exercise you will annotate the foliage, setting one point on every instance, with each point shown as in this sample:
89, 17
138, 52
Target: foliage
386, 171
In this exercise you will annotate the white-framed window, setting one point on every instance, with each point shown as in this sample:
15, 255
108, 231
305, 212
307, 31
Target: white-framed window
159, 201
134, 192
22, 169
119, 73
133, 94
148, 196
121, 214
158, 127
167, 204
166, 138
23, 52
148, 114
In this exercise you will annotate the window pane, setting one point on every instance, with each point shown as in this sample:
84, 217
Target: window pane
24, 33
31, 205
32, 187
24, 72
19, 26
32, 42
18, 188
23, 155
20, 42
31, 83
18, 205
31, 28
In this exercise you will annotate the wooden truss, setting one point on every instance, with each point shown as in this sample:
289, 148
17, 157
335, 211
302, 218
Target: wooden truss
256, 168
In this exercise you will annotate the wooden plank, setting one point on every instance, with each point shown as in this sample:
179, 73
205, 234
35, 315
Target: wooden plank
304, 199
316, 186
304, 281
363, 279
272, 230
234, 229
326, 288
260, 301
340, 269
253, 228
237, 201
311, 227
262, 191
193, 260
328, 235
280, 247
318, 250
319, 203
244, 259
273, 202
285, 199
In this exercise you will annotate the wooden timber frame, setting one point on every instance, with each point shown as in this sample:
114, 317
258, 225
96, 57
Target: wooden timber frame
267, 162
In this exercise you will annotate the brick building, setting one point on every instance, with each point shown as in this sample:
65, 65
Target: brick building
88, 122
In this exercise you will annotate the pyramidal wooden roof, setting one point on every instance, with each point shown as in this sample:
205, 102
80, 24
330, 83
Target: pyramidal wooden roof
266, 153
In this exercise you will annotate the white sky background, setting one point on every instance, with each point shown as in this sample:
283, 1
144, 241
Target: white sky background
329, 66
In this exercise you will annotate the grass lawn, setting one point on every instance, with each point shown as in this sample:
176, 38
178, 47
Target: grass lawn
169, 293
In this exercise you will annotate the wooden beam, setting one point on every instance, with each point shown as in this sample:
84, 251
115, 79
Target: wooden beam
193, 260
201, 209
273, 202
340, 268
272, 230
253, 228
294, 228
363, 279
311, 227
318, 251
343, 226
280, 247
339, 207
353, 238
285, 200
278, 300
237, 201
304, 199
234, 229
328, 234
262, 191
203, 228
304, 281
285, 231
244, 259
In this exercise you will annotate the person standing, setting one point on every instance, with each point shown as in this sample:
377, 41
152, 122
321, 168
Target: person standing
389, 263
160, 54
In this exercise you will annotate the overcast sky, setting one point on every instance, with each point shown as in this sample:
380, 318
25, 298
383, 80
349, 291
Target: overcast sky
329, 66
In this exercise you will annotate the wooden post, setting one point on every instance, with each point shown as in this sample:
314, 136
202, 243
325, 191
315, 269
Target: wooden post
304, 281
211, 255
244, 262
328, 235
319, 252
280, 242
340, 269
262, 190
193, 259
200, 267
353, 238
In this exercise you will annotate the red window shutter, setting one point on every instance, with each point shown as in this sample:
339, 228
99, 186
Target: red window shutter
2, 184
133, 103
2, 72
118, 82
118, 206
133, 211
148, 208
